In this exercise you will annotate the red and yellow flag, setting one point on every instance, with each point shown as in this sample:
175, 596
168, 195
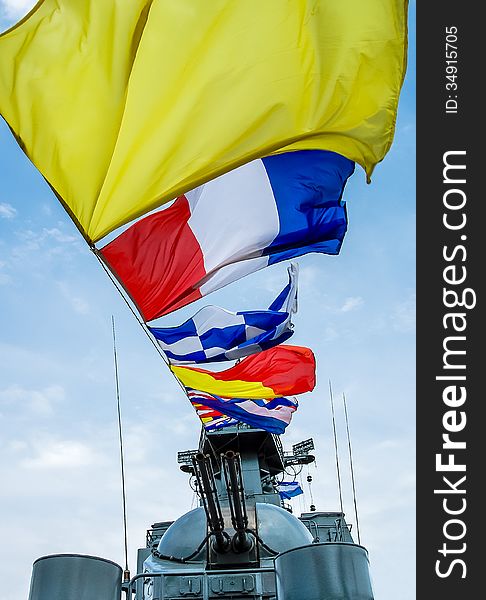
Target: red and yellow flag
280, 371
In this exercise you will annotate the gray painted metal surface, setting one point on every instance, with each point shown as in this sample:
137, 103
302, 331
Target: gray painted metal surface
311, 558
332, 571
279, 529
232, 584
327, 526
75, 577
185, 534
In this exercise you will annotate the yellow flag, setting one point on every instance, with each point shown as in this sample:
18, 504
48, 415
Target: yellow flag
125, 104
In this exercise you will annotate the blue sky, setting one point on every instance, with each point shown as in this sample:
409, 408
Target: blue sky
60, 487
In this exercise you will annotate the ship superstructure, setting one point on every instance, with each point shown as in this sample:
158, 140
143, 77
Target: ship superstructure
241, 542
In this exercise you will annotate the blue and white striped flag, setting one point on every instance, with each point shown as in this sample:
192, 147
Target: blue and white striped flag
289, 489
271, 415
214, 334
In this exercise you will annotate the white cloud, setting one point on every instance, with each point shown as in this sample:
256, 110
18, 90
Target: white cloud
59, 236
352, 303
181, 425
404, 315
309, 276
34, 239
164, 397
407, 127
4, 279
274, 281
7, 211
137, 442
17, 446
314, 288
59, 454
40, 402
78, 304
330, 334
14, 9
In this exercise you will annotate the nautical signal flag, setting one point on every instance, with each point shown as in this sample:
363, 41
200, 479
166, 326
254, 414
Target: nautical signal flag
210, 418
214, 334
120, 117
280, 371
289, 489
269, 210
271, 415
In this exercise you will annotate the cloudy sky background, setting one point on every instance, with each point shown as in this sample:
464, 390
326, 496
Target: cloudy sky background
59, 463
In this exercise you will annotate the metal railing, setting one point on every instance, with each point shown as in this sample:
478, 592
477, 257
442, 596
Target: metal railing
154, 534
130, 588
332, 533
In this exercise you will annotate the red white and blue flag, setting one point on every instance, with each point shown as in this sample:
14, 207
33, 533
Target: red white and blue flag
268, 210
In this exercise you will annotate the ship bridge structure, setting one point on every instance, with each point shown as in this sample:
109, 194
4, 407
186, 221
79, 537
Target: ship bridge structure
241, 542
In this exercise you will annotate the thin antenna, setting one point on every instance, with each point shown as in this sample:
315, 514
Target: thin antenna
352, 469
336, 448
126, 574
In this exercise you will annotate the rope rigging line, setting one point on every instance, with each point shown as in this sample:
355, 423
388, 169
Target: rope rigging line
142, 323
145, 329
